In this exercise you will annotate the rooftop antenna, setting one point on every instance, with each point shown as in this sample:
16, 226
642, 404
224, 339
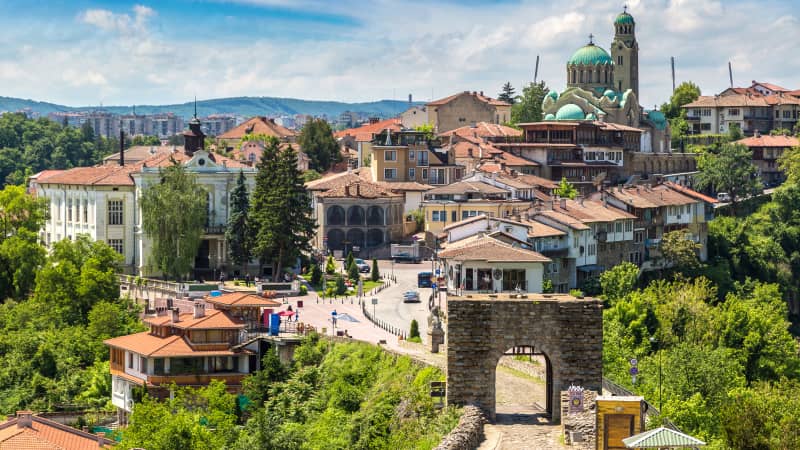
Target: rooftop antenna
536, 70
730, 73
672, 62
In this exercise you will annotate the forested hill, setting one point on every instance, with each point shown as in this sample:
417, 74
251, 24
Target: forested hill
244, 106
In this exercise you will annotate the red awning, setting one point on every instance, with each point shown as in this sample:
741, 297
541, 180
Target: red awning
286, 313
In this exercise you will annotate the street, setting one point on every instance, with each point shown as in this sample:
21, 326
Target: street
390, 307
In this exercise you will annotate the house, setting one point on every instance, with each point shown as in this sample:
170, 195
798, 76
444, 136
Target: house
415, 116
464, 109
482, 263
463, 199
250, 153
554, 244
138, 153
579, 261
520, 188
660, 209
255, 126
26, 431
188, 349
766, 152
411, 156
360, 139
487, 225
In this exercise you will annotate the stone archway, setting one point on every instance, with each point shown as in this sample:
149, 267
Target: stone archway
480, 330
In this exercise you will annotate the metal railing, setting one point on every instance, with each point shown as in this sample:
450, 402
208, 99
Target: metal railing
382, 324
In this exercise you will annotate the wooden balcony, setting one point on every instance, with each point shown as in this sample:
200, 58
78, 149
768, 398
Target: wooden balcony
229, 378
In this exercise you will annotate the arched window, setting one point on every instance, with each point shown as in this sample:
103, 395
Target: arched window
355, 215
355, 237
574, 76
335, 215
374, 237
375, 215
581, 76
335, 239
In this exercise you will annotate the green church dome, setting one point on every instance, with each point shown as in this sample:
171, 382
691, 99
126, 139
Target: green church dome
570, 111
550, 116
553, 95
591, 116
624, 19
590, 55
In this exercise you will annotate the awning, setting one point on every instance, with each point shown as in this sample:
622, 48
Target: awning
590, 268
661, 438
286, 313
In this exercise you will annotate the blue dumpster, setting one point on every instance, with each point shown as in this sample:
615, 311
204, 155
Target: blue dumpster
274, 324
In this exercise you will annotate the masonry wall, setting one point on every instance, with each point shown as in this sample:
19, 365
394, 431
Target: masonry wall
568, 332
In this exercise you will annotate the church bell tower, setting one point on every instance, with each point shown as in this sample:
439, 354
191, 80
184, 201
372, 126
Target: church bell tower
625, 53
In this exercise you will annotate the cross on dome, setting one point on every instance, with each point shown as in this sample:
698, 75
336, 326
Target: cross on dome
591, 36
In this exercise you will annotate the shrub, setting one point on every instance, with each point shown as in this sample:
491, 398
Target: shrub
547, 286
415, 339
349, 260
414, 332
303, 289
316, 275
330, 265
352, 272
576, 293
375, 275
341, 289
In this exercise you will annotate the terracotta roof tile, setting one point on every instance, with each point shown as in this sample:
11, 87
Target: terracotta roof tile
146, 344
45, 434
367, 132
591, 211
770, 141
360, 189
242, 299
485, 248
538, 229
464, 187
258, 125
564, 219
479, 97
108, 175
650, 197
214, 319
690, 192
484, 130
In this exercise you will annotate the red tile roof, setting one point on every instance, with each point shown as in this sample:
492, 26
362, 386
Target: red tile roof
591, 211
367, 132
650, 197
485, 248
770, 141
242, 299
360, 188
484, 130
164, 160
478, 96
108, 175
690, 192
146, 344
258, 125
45, 434
211, 320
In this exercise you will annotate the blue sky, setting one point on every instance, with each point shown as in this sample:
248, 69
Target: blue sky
85, 52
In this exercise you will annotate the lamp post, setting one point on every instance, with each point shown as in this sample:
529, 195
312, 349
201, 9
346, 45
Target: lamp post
654, 343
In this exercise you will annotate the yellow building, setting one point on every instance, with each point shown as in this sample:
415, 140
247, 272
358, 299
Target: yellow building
411, 156
465, 109
449, 204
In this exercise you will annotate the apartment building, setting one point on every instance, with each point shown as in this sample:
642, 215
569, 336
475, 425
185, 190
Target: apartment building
412, 156
449, 204
767, 150
465, 109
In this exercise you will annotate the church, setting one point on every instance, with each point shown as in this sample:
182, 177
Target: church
605, 87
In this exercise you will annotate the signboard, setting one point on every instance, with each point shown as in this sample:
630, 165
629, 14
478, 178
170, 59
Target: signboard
433, 286
356, 248
438, 272
374, 301
575, 399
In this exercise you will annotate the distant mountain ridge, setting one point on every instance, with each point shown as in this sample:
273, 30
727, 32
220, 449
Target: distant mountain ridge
243, 106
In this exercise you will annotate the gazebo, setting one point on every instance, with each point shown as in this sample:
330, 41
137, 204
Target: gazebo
662, 439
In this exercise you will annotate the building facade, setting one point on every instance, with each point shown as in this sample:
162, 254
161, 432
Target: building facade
465, 109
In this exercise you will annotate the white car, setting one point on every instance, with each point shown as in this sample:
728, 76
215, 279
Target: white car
723, 197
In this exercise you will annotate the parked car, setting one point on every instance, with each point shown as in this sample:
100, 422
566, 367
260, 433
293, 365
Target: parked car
362, 265
723, 197
411, 297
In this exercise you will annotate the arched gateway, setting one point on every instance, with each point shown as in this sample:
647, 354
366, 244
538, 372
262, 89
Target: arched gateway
568, 331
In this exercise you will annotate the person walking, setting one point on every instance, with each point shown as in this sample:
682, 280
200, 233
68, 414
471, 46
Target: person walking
247, 279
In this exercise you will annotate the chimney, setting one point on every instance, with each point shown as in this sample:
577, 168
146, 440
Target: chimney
121, 147
481, 93
101, 437
199, 310
24, 419
562, 203
176, 315
757, 134
347, 190
358, 190
373, 120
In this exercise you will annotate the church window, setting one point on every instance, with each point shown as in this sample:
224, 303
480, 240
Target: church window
606, 76
573, 76
619, 60
581, 76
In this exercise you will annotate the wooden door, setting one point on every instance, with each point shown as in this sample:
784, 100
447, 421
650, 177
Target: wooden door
617, 427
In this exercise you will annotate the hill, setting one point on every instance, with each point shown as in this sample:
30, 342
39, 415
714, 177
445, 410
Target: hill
243, 106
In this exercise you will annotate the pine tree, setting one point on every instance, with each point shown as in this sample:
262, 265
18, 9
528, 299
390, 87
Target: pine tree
316, 275
375, 275
330, 265
507, 95
352, 272
341, 289
281, 214
414, 331
237, 231
317, 141
349, 260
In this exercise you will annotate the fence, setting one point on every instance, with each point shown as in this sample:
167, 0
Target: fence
382, 324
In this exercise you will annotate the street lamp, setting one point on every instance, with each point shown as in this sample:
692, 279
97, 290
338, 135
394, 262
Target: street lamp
654, 343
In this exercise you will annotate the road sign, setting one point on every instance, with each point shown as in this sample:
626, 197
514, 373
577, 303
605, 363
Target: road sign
374, 301
634, 371
356, 248
634, 362
438, 271
433, 286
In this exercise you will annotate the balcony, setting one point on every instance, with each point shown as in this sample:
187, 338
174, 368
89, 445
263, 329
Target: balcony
652, 243
693, 117
214, 229
554, 252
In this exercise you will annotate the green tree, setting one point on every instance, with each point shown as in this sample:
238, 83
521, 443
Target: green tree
237, 233
507, 94
317, 141
528, 107
679, 250
729, 168
349, 260
565, 189
619, 281
21, 257
316, 275
375, 275
330, 265
256, 387
20, 210
341, 288
281, 217
414, 329
311, 175
353, 273
685, 93
174, 212
547, 286
734, 132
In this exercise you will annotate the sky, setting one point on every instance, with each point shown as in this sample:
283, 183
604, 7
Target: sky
91, 52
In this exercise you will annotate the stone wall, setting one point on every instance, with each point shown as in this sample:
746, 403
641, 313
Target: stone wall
566, 330
583, 422
663, 163
468, 434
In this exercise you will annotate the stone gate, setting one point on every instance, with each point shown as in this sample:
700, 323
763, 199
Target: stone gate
568, 331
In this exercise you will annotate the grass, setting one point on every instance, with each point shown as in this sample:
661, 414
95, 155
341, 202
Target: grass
520, 374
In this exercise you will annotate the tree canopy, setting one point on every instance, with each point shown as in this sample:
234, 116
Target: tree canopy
237, 233
565, 189
174, 213
729, 168
528, 107
507, 94
316, 140
685, 92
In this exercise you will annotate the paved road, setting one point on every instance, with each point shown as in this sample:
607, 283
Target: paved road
390, 307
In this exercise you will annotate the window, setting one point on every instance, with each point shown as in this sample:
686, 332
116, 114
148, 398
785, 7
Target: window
592, 249
158, 366
707, 112
787, 114
575, 242
618, 227
412, 174
142, 364
390, 155
86, 211
389, 174
439, 216
733, 111
619, 60
115, 212
424, 174
69, 210
453, 216
411, 155
116, 244
628, 226
514, 279
422, 158
130, 360
552, 267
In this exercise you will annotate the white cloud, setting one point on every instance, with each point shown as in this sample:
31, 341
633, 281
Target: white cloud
119, 23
